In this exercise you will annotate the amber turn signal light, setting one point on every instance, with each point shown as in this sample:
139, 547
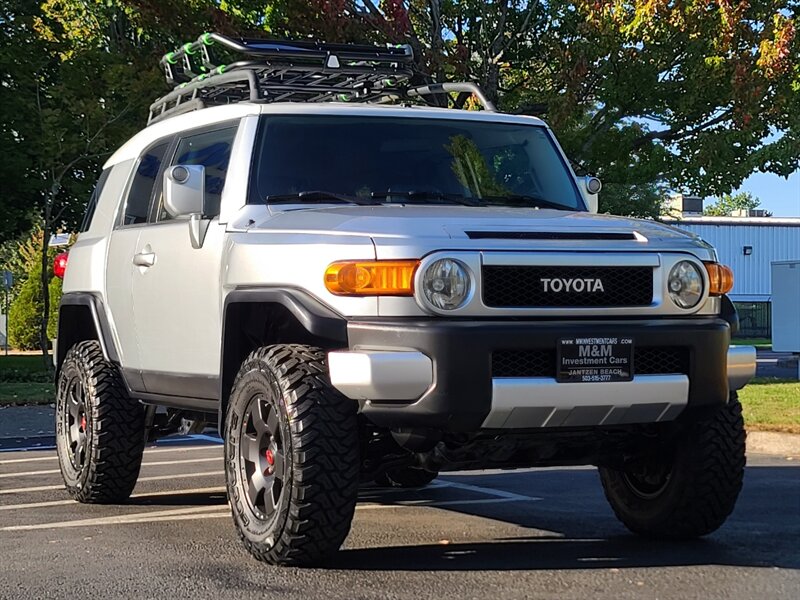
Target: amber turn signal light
720, 278
371, 277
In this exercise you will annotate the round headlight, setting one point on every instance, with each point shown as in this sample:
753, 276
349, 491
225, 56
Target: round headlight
685, 284
446, 284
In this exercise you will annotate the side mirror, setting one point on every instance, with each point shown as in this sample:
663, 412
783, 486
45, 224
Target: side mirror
184, 190
590, 187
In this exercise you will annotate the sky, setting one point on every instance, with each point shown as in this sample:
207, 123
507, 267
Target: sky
778, 195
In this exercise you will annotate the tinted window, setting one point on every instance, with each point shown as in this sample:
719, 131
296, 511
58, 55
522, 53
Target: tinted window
90, 207
141, 192
212, 150
416, 159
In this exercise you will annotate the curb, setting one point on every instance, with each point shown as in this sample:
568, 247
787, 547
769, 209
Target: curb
774, 443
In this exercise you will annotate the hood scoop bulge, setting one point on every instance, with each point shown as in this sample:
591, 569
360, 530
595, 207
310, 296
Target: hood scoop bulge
555, 235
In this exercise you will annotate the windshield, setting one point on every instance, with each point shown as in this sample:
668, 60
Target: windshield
376, 160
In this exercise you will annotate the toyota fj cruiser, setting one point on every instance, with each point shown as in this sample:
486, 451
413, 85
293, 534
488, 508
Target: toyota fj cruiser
354, 282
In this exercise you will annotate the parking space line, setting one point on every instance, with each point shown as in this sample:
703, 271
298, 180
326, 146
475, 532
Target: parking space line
14, 461
198, 517
47, 488
219, 511
371, 505
180, 514
186, 492
438, 503
206, 490
118, 519
29, 473
183, 461
36, 504
160, 450
399, 490
144, 464
491, 491
147, 451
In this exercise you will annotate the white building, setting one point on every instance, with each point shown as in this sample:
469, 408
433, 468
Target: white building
749, 246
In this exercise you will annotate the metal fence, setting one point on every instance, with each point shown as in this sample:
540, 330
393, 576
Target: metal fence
755, 319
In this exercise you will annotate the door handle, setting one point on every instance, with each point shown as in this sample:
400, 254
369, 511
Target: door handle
144, 259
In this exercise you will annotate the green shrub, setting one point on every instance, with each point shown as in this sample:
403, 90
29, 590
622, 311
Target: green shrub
55, 288
25, 312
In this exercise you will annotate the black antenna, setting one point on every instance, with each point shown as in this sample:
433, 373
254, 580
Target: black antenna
289, 71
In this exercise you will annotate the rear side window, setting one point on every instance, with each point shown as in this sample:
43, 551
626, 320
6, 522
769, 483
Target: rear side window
98, 189
141, 190
212, 150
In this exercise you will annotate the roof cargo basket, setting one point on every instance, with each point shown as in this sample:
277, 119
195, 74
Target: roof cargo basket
289, 71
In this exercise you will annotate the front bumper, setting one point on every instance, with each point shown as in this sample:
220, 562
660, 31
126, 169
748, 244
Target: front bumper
438, 374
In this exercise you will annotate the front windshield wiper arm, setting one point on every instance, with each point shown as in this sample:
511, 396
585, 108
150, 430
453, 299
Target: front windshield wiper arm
427, 197
320, 196
529, 199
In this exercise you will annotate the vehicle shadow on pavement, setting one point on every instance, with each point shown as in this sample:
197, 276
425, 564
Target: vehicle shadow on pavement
547, 553
572, 527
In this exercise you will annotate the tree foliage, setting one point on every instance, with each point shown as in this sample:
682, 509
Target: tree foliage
729, 205
694, 95
697, 94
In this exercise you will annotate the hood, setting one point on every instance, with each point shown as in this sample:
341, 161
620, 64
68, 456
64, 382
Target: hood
464, 227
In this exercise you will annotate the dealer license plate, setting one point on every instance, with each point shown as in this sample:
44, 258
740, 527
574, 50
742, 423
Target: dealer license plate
595, 359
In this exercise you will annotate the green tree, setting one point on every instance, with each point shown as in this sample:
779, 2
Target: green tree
634, 200
80, 76
694, 95
728, 205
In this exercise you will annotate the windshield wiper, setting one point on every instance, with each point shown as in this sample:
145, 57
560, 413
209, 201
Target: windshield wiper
319, 196
528, 199
428, 197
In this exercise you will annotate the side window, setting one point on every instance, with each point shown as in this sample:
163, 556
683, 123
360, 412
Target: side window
141, 191
212, 149
90, 207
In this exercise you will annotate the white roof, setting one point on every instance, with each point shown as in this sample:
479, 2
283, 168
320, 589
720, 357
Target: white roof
749, 221
394, 110
218, 114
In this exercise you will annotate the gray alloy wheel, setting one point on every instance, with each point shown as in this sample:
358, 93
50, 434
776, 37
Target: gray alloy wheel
292, 456
100, 431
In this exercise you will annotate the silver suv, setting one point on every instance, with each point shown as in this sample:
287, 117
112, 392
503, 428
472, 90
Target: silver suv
356, 283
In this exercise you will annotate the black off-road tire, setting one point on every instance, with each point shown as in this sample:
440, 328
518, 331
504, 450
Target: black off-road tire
406, 477
298, 509
701, 486
100, 430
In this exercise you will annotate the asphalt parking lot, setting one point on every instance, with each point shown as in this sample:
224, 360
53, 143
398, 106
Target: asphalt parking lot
537, 533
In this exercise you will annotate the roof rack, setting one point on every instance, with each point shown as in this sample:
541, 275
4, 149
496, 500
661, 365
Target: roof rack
304, 71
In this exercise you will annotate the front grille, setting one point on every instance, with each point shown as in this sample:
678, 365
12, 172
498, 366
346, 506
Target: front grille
542, 363
661, 361
506, 286
524, 363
